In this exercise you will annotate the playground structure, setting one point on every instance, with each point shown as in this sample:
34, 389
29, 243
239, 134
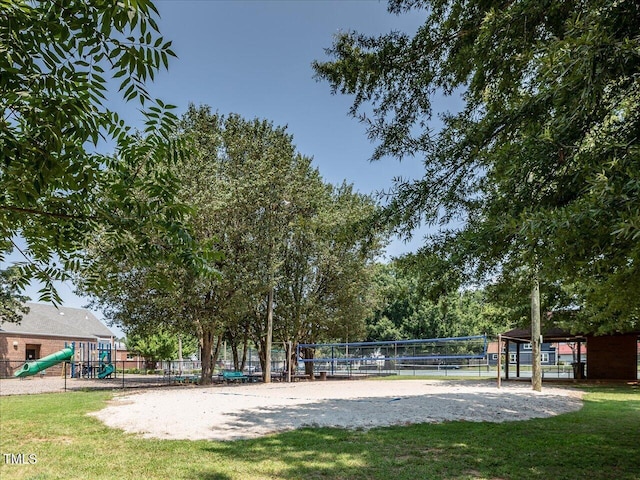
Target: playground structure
92, 360
393, 356
87, 359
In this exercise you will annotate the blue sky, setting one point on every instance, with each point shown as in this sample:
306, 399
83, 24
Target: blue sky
254, 58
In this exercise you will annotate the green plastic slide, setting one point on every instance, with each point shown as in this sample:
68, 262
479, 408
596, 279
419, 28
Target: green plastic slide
106, 370
31, 368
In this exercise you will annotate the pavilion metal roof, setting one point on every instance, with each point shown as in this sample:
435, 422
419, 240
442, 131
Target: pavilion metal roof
552, 334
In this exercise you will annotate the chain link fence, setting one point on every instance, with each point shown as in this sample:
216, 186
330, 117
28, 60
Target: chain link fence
70, 376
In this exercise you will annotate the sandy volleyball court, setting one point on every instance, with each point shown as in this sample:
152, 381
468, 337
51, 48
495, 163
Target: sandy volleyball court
248, 411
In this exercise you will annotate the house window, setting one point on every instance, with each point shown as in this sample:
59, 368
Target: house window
130, 356
512, 358
545, 358
494, 356
526, 346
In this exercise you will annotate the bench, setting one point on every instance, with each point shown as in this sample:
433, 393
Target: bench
186, 379
234, 376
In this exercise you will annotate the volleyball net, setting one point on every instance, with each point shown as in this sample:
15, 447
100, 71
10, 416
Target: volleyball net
454, 352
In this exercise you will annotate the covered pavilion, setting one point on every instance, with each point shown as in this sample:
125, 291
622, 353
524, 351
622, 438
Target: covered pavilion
610, 357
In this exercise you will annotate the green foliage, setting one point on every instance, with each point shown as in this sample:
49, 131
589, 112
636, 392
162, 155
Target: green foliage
56, 191
537, 174
278, 228
326, 290
161, 345
407, 309
12, 304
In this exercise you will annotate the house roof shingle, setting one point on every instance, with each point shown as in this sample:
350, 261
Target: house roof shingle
45, 319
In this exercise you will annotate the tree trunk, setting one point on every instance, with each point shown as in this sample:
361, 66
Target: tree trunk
150, 364
266, 375
236, 356
216, 352
180, 360
287, 355
245, 348
536, 364
291, 365
308, 366
207, 355
262, 357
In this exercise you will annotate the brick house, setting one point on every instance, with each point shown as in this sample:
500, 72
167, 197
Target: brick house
45, 330
123, 358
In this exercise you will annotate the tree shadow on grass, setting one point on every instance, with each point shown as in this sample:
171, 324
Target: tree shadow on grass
214, 476
598, 442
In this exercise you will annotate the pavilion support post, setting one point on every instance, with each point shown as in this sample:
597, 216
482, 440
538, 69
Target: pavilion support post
517, 359
499, 360
579, 366
507, 356
579, 351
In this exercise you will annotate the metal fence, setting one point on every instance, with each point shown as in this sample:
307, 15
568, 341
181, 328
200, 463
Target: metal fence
59, 377
67, 376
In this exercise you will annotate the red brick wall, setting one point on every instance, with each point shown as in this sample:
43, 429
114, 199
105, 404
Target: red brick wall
612, 357
123, 362
12, 358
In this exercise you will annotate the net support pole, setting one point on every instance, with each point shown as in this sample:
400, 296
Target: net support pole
499, 359
536, 366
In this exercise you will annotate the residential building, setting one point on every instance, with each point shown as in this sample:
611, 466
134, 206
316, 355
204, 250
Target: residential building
548, 353
47, 329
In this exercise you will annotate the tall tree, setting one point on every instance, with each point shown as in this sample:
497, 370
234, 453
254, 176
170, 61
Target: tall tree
243, 179
539, 169
293, 251
325, 292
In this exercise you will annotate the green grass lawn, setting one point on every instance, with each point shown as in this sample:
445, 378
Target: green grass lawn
602, 441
